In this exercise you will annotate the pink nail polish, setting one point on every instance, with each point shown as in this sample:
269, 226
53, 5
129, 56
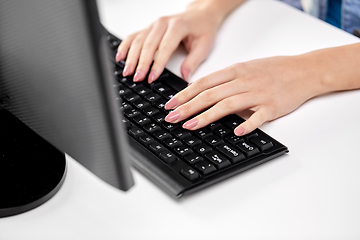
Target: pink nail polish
152, 76
118, 57
186, 74
189, 83
239, 131
126, 71
171, 117
138, 76
190, 124
171, 104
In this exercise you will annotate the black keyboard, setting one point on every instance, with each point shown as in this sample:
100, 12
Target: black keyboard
179, 160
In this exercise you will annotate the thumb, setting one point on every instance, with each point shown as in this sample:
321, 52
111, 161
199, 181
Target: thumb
198, 52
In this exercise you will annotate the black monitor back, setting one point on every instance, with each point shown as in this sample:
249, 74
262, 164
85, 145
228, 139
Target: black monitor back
55, 77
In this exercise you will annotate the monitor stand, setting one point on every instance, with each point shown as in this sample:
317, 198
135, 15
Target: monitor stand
31, 169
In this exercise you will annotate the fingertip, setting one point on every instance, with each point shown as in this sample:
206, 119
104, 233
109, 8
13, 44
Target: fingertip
118, 57
186, 73
152, 76
239, 131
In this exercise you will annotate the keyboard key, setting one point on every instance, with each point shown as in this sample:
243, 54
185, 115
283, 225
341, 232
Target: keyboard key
125, 106
169, 94
233, 121
146, 140
152, 127
141, 90
150, 111
172, 142
141, 104
181, 133
262, 142
160, 88
190, 173
141, 120
161, 135
135, 132
167, 156
126, 123
249, 149
213, 140
221, 131
170, 126
219, 160
202, 148
182, 150
205, 167
131, 97
191, 141
202, 132
193, 158
152, 97
159, 118
131, 113
231, 152
234, 139
157, 148
160, 103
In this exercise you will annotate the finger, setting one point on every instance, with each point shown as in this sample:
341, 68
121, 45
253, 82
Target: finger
204, 100
134, 52
197, 54
223, 108
123, 48
209, 81
171, 40
150, 46
254, 121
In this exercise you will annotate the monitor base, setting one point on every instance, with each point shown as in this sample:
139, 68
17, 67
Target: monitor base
31, 169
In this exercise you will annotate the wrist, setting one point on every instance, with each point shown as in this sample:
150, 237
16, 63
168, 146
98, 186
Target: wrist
218, 10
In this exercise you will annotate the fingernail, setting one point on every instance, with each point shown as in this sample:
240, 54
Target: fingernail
126, 71
171, 104
189, 83
190, 124
239, 131
171, 117
152, 76
186, 74
118, 57
138, 76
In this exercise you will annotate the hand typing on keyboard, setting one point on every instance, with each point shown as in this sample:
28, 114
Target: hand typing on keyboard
195, 28
270, 87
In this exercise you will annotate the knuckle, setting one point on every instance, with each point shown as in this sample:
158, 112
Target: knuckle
177, 22
162, 20
228, 103
208, 95
186, 109
201, 83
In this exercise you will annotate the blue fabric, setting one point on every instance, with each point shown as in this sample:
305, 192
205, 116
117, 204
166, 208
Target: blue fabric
350, 12
333, 13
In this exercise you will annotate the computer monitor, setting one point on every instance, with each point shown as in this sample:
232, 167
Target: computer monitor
55, 77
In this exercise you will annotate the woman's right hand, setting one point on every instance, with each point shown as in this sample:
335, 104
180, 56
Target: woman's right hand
195, 28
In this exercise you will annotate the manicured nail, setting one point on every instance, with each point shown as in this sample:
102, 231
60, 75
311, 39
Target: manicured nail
186, 74
138, 76
126, 71
190, 124
171, 104
189, 83
239, 131
118, 57
152, 76
173, 116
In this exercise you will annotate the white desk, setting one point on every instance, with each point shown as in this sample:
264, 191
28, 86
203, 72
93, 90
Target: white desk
311, 193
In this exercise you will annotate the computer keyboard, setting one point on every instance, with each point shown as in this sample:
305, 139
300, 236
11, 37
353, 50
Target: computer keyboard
179, 160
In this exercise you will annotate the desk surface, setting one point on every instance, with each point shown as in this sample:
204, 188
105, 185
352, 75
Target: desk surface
310, 193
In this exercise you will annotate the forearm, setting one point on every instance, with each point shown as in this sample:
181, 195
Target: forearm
332, 69
219, 9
